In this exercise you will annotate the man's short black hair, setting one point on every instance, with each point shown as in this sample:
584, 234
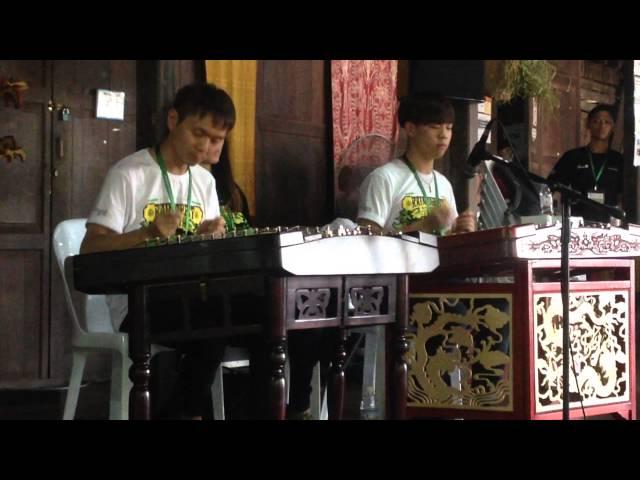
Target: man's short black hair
601, 108
425, 107
203, 99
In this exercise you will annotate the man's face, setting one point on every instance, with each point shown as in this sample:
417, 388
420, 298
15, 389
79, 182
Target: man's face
601, 126
196, 139
213, 153
432, 139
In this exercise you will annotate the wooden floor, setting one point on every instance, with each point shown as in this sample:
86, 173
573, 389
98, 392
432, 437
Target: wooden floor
47, 403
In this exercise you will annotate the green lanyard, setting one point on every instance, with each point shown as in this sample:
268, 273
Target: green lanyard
596, 178
415, 174
167, 186
424, 193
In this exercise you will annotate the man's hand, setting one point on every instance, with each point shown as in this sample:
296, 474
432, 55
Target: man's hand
164, 225
439, 220
466, 222
375, 228
216, 226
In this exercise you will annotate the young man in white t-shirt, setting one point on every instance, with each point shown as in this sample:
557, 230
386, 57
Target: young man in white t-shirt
393, 198
407, 194
160, 192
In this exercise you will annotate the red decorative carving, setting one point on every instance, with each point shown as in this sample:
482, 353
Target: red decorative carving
598, 244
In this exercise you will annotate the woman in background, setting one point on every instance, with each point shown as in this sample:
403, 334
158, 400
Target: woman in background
234, 207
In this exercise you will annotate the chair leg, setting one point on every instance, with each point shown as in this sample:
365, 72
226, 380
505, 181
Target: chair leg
324, 411
217, 394
287, 379
373, 369
316, 393
120, 386
77, 370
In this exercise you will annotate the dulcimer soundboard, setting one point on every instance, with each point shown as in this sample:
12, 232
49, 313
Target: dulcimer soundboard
280, 250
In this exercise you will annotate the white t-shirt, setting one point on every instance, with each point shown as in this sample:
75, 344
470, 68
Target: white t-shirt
133, 193
391, 197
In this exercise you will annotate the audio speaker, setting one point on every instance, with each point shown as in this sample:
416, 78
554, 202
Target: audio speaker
462, 79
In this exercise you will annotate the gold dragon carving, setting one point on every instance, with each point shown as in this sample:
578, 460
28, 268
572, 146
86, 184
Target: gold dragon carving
460, 352
599, 344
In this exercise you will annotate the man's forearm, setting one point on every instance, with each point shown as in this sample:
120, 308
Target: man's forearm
114, 241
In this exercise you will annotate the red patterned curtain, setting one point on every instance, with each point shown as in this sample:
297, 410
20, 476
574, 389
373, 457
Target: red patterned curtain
365, 130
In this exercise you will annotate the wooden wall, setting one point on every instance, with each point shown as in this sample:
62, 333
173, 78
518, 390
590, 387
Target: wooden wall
294, 167
579, 84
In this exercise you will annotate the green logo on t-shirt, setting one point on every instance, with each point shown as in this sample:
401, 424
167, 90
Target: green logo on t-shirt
413, 208
152, 210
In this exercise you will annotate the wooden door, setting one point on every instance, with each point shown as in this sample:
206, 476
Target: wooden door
25, 226
65, 166
84, 147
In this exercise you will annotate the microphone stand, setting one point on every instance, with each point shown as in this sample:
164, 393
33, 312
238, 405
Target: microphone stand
567, 197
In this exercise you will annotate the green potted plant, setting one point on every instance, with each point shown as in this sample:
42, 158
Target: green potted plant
509, 79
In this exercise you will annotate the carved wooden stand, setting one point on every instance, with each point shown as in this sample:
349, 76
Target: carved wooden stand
485, 328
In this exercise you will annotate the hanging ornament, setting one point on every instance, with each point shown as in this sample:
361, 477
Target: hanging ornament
12, 91
9, 150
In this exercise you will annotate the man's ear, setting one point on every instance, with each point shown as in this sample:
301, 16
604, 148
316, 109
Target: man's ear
172, 119
410, 129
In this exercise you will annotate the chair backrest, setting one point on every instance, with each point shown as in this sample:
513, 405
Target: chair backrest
89, 313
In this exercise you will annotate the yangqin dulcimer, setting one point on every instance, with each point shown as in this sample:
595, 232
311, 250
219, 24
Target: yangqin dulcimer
293, 251
302, 278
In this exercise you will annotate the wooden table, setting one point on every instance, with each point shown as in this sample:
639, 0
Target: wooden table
307, 279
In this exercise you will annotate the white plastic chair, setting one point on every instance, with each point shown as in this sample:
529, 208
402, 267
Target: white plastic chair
92, 330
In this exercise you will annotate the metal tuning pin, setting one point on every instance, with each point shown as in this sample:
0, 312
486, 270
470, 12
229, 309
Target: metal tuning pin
357, 230
341, 231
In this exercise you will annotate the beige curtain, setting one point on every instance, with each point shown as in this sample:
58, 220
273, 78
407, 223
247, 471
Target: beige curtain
238, 79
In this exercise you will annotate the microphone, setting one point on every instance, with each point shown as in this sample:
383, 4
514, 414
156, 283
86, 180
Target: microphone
478, 153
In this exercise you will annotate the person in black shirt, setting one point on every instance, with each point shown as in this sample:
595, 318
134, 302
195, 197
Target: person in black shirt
595, 170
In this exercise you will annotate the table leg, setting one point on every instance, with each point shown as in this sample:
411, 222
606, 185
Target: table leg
278, 355
336, 378
140, 353
400, 347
